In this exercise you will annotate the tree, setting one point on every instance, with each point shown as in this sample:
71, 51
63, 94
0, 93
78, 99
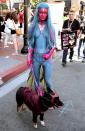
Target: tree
35, 2
3, 5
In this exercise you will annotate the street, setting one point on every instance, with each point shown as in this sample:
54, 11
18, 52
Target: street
69, 83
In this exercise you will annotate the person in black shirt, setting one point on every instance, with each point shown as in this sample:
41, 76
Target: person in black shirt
1, 20
70, 25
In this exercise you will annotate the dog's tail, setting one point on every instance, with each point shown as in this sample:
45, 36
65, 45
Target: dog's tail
19, 98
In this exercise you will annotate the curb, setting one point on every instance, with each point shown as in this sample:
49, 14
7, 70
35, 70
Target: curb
9, 74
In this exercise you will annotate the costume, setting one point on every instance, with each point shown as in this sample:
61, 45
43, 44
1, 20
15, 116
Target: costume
42, 43
30, 80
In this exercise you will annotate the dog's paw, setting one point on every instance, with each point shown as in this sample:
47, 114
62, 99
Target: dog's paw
35, 125
23, 107
42, 123
18, 110
51, 108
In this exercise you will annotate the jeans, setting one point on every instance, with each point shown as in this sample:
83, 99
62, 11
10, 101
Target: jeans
38, 60
84, 51
80, 43
0, 35
0, 31
65, 53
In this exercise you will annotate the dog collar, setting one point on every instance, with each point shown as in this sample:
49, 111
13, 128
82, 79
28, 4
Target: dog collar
53, 96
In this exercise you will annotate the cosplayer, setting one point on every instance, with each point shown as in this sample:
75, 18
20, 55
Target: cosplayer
41, 44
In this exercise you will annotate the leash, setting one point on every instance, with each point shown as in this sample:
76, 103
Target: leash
37, 86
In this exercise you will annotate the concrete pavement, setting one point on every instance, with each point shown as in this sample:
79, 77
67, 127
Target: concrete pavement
11, 65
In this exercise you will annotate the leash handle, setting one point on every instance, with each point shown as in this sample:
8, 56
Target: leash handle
38, 88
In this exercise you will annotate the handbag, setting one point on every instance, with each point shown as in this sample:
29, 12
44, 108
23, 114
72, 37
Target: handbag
2, 28
13, 31
82, 36
18, 31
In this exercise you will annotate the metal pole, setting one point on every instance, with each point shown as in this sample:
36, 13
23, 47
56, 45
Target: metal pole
9, 5
0, 9
25, 47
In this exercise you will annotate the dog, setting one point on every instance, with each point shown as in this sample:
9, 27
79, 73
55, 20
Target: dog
36, 103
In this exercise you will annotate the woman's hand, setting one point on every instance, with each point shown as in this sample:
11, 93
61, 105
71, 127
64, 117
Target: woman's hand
46, 56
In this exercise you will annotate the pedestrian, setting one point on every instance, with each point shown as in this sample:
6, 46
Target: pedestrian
81, 39
41, 45
15, 31
83, 60
1, 26
21, 18
70, 25
32, 14
7, 29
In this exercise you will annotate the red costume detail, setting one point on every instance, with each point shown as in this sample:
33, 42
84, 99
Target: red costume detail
47, 56
42, 14
31, 99
29, 57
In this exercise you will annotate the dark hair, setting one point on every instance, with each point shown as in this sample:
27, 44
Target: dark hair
1, 19
8, 15
72, 11
14, 17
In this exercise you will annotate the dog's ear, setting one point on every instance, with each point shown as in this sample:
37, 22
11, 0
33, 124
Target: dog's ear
57, 102
46, 99
47, 96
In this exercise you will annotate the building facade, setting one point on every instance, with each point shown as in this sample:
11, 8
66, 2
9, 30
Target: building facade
73, 4
11, 3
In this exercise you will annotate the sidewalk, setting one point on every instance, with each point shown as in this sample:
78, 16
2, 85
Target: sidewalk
11, 65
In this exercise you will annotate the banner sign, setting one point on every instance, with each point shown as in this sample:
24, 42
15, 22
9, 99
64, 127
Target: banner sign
68, 39
3, 0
